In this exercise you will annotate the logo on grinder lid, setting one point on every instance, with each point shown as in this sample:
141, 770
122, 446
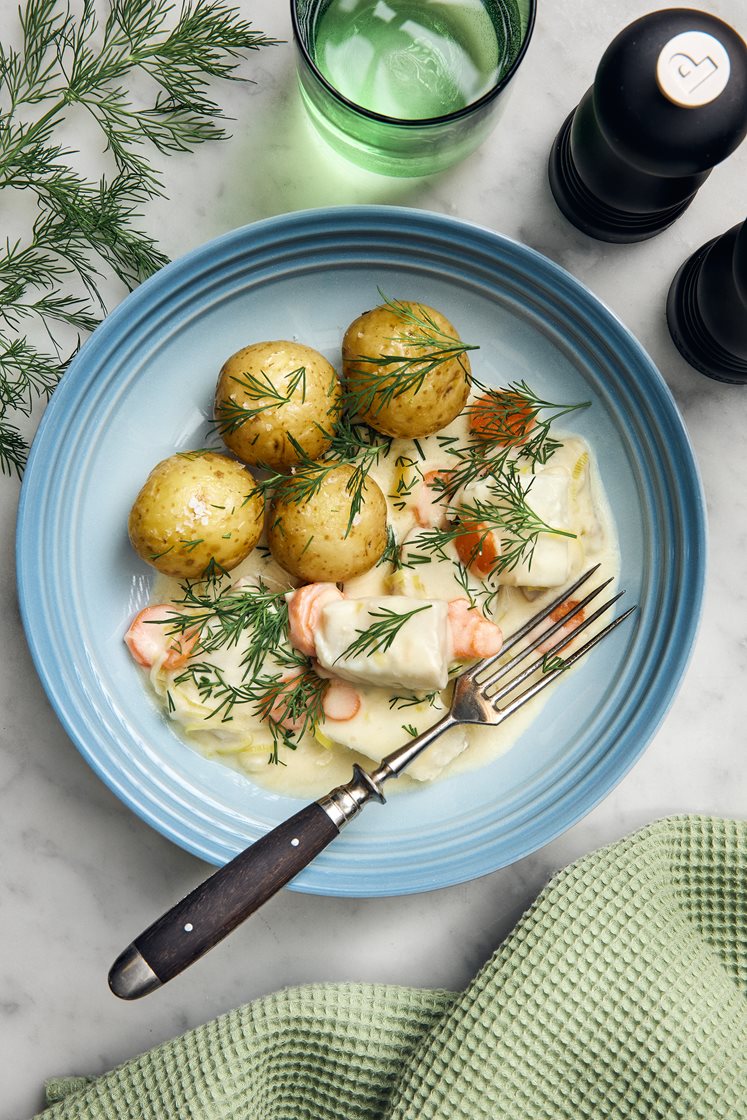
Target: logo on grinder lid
692, 69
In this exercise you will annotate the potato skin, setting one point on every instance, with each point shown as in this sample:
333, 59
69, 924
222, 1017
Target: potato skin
309, 538
196, 496
418, 411
314, 402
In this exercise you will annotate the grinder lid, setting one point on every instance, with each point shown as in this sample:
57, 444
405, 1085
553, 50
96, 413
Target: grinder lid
670, 92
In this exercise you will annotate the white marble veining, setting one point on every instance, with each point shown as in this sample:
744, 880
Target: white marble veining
80, 874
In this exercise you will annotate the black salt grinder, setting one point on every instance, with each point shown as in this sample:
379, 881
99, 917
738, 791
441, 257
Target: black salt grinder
669, 102
707, 307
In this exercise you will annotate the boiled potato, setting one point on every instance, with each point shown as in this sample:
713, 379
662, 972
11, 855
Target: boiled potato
310, 538
388, 332
196, 507
272, 390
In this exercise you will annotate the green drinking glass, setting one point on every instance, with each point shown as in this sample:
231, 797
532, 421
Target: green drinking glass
408, 87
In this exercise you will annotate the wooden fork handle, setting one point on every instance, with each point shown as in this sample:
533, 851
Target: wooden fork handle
231, 894
213, 909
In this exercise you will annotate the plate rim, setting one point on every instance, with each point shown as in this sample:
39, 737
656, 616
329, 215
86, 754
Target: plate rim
353, 216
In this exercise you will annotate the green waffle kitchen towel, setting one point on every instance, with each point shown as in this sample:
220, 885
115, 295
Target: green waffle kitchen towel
621, 993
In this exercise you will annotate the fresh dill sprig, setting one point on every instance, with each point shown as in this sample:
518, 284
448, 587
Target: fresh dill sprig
550, 663
212, 685
288, 698
221, 619
518, 418
392, 553
473, 460
480, 593
292, 704
408, 477
360, 448
351, 440
522, 432
379, 636
508, 514
411, 700
379, 379
400, 555
263, 396
351, 444
461, 575
83, 230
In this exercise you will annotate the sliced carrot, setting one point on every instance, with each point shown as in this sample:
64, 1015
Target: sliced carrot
501, 416
572, 624
566, 608
304, 607
472, 634
340, 701
566, 631
150, 639
476, 547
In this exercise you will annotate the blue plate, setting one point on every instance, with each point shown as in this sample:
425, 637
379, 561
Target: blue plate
142, 387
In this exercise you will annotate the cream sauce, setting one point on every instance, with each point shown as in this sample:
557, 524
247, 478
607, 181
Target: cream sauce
385, 719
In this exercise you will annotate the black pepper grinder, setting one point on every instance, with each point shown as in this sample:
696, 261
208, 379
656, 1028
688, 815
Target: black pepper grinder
707, 307
669, 102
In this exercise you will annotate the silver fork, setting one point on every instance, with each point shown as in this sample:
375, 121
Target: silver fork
224, 900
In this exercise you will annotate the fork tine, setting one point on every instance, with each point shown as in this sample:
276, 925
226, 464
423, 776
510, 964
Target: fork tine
535, 620
540, 661
546, 611
543, 635
553, 674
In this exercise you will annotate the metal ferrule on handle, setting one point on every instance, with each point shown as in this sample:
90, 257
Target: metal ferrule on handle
344, 803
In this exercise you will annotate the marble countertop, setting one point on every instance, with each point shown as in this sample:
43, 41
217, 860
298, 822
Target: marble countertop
80, 874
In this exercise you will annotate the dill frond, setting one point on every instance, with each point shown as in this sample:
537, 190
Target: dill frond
85, 230
376, 380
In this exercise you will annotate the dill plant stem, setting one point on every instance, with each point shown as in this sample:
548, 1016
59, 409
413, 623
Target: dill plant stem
81, 223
